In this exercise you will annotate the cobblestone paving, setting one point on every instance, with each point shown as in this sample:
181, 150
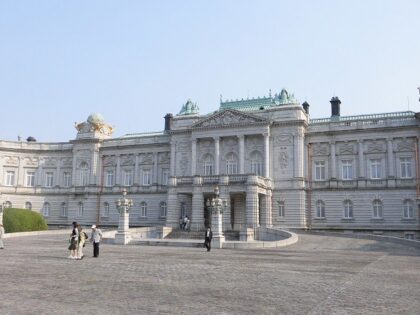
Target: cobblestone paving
318, 275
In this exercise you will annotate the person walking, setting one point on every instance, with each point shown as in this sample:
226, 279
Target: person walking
1, 236
207, 239
74, 239
81, 243
95, 238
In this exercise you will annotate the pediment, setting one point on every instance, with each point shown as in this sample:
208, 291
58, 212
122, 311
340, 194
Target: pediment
229, 118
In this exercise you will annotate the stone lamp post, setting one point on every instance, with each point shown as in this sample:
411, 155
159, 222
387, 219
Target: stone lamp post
216, 206
123, 205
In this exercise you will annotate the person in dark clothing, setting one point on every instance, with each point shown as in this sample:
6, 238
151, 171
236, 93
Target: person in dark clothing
207, 239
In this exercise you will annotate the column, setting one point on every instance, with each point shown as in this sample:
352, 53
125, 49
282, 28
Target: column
197, 217
298, 153
173, 155
136, 176
57, 175
193, 157
251, 206
216, 155
118, 172
95, 166
20, 176
333, 161
155, 168
172, 216
241, 154
225, 195
361, 159
266, 214
267, 155
390, 158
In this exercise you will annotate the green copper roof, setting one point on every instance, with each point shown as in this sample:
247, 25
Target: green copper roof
189, 108
254, 104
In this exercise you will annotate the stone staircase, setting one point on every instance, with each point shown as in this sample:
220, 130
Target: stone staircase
199, 235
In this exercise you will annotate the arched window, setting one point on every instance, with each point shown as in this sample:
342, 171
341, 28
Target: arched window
231, 164
163, 209
46, 209
320, 209
106, 210
7, 204
408, 209
80, 209
143, 209
348, 209
256, 163
208, 165
280, 205
28, 205
84, 174
64, 208
377, 209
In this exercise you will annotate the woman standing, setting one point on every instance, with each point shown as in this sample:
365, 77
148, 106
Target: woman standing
81, 243
74, 239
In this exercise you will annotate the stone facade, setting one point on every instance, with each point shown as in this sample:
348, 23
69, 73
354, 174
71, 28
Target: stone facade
273, 164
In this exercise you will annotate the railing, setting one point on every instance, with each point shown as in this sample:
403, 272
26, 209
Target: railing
372, 118
184, 180
238, 178
210, 179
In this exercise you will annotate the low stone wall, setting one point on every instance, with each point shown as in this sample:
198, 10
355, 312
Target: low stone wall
52, 232
266, 238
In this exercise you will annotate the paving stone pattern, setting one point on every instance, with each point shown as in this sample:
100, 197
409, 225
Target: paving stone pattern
318, 275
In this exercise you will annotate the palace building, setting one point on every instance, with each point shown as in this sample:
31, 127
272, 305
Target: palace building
273, 164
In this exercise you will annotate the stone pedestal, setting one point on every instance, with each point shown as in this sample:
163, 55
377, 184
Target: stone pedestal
246, 235
123, 235
217, 228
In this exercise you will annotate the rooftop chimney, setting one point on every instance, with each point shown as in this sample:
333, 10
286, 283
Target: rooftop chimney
335, 106
168, 121
305, 106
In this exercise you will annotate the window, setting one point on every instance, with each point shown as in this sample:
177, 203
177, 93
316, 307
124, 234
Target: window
28, 205
208, 165
408, 209
10, 178
7, 205
30, 179
409, 236
163, 209
165, 176
84, 174
320, 209
106, 210
256, 164
147, 177
281, 208
67, 179
347, 166
46, 209
406, 168
109, 179
128, 178
348, 210
64, 211
375, 169
143, 209
319, 170
377, 209
80, 209
49, 179
231, 164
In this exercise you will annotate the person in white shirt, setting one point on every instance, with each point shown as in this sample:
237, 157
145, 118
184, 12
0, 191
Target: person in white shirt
95, 238
1, 236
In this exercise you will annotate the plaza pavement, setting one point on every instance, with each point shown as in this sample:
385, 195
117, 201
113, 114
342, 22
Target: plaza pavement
318, 275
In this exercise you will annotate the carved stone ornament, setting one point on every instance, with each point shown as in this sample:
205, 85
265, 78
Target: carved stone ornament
405, 145
282, 139
376, 147
164, 158
346, 148
30, 161
94, 123
283, 159
67, 162
320, 149
11, 160
127, 160
146, 158
110, 161
227, 118
49, 162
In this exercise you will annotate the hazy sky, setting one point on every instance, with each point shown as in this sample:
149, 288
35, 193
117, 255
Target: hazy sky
135, 61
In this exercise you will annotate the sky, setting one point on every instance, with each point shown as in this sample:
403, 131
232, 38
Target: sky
135, 61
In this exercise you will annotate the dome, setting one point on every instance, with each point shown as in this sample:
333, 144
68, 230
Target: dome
95, 119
